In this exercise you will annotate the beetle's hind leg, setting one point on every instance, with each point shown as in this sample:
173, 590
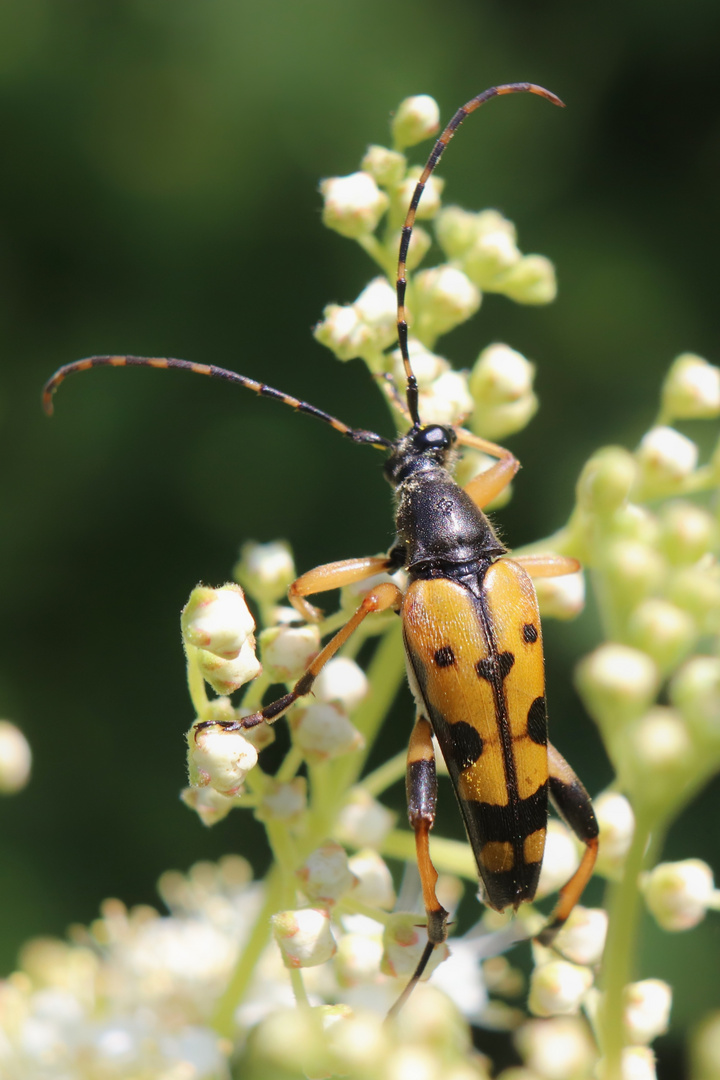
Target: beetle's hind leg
421, 788
572, 802
333, 576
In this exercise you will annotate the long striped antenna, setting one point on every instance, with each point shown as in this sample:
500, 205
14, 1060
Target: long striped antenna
437, 152
357, 435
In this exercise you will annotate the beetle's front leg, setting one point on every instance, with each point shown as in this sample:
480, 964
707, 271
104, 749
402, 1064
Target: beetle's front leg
332, 576
572, 802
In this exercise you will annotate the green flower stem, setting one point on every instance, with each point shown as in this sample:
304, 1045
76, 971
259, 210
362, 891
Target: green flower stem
356, 907
298, 986
624, 908
223, 1018
290, 766
377, 252
196, 683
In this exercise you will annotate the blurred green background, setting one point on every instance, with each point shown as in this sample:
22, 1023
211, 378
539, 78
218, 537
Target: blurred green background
159, 196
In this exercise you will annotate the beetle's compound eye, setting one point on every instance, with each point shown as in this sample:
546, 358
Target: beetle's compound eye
434, 437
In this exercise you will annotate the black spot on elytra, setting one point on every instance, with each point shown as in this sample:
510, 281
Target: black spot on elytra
467, 744
537, 722
491, 666
530, 634
445, 657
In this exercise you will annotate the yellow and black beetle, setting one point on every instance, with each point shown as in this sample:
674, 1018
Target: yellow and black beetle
471, 629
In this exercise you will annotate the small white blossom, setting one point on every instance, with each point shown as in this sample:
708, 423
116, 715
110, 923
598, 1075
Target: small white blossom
529, 281
687, 531
647, 1010
288, 650
373, 880
353, 204
283, 801
324, 731
209, 805
343, 331
266, 570
666, 458
561, 597
431, 197
557, 988
387, 167
427, 367
660, 741
560, 861
404, 939
358, 957
304, 936
226, 676
15, 758
692, 388
325, 875
695, 691
500, 374
616, 822
446, 401
416, 119
341, 681
679, 893
582, 938
363, 821
445, 297
219, 759
218, 620
617, 683
377, 307
557, 1048
663, 630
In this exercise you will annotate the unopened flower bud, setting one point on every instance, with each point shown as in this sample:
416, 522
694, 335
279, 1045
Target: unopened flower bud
363, 821
15, 759
431, 197
557, 1048
353, 204
217, 620
560, 860
500, 374
529, 281
705, 1049
696, 589
691, 389
662, 630
493, 253
606, 480
404, 939
209, 805
265, 570
679, 893
636, 1063
444, 298
342, 331
304, 936
426, 365
633, 570
659, 751
226, 676
561, 597
695, 691
324, 731
283, 801
447, 400
325, 876
377, 307
666, 459
219, 759
687, 531
287, 650
386, 167
647, 1010
456, 230
617, 684
341, 682
616, 822
582, 938
558, 988
416, 119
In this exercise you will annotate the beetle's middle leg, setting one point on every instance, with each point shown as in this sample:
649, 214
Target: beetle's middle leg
572, 802
421, 788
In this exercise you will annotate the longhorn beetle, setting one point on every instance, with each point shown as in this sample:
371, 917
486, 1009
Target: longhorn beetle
471, 629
